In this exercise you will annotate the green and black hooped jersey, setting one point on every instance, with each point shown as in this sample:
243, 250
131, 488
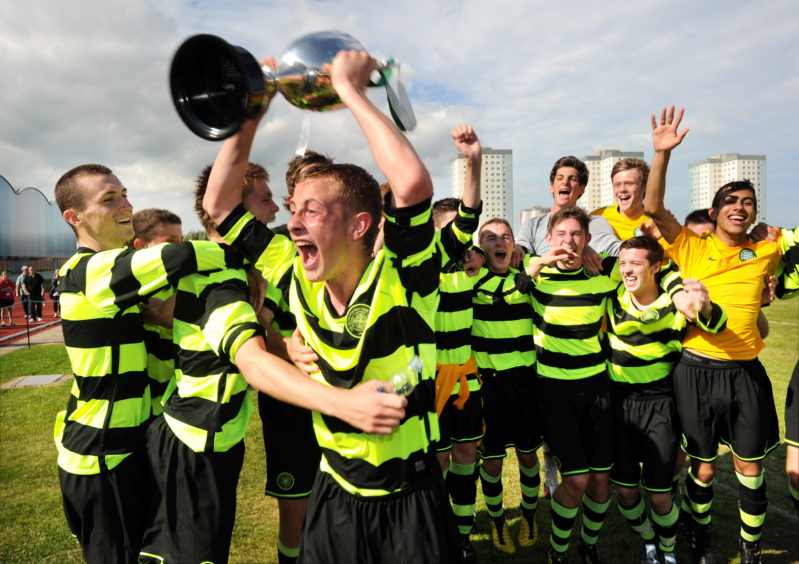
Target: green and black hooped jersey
645, 344
160, 358
454, 316
502, 331
788, 279
389, 319
569, 306
276, 300
101, 293
207, 405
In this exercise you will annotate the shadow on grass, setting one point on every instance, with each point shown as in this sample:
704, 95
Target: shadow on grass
619, 544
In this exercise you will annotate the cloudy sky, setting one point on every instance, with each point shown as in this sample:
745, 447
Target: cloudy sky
86, 81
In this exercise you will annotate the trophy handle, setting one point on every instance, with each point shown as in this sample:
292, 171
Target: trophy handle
215, 86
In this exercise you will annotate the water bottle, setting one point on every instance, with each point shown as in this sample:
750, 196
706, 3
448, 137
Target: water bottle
407, 379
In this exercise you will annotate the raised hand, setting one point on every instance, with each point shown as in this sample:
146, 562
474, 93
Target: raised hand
466, 141
351, 69
665, 135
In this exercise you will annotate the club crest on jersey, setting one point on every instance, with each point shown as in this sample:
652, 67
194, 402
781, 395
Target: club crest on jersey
746, 254
650, 315
285, 481
356, 319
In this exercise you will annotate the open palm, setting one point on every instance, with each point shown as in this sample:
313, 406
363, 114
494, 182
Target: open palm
665, 135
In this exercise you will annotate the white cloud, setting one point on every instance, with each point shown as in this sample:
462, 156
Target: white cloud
86, 81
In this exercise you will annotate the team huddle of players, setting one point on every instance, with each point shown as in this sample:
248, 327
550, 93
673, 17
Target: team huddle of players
584, 335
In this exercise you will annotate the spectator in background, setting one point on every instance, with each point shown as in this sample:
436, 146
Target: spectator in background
54, 293
33, 285
20, 291
7, 292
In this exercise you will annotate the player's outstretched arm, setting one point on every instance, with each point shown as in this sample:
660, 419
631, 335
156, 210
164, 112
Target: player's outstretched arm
468, 145
363, 407
665, 137
395, 156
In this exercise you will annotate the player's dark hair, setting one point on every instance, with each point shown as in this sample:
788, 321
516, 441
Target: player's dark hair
573, 162
734, 186
654, 252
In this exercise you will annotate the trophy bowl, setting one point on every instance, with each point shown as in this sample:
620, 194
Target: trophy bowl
216, 86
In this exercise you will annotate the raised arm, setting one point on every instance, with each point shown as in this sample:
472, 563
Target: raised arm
396, 158
665, 137
468, 145
223, 193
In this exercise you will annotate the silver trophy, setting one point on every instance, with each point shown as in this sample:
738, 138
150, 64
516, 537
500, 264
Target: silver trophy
216, 86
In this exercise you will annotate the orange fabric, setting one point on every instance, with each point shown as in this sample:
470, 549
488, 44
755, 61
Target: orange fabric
446, 377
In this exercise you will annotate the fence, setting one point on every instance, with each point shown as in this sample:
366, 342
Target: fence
27, 316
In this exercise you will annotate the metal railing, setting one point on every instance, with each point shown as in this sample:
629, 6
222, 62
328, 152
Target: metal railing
29, 316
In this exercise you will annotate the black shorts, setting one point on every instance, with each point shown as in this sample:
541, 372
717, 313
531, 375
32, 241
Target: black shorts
646, 431
414, 525
578, 423
461, 425
6, 303
292, 453
107, 512
509, 411
195, 504
792, 409
725, 401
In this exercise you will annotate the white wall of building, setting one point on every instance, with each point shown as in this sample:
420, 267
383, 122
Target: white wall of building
709, 175
531, 212
599, 192
496, 182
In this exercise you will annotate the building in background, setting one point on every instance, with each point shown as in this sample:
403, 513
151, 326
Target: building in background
32, 231
599, 192
496, 182
531, 212
709, 175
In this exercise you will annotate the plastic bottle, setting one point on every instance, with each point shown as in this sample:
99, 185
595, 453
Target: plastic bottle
407, 379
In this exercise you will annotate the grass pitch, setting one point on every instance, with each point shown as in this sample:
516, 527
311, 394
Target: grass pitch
34, 529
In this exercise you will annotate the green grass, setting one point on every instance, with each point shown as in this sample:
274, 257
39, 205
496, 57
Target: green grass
34, 529
41, 359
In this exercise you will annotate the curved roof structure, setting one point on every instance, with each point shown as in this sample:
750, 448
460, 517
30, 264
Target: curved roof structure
31, 225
